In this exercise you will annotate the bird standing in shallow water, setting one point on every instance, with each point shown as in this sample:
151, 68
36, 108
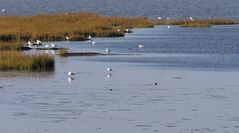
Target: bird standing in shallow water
29, 43
140, 46
3, 10
107, 50
47, 46
53, 45
71, 73
109, 69
38, 42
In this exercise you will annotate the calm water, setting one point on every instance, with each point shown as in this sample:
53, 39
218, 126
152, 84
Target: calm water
214, 48
149, 8
196, 71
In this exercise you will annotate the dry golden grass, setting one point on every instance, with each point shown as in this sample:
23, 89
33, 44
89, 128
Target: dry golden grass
10, 46
14, 60
202, 23
77, 26
63, 52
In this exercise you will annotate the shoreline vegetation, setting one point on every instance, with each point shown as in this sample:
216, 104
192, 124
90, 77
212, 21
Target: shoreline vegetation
17, 30
75, 26
203, 23
15, 60
78, 26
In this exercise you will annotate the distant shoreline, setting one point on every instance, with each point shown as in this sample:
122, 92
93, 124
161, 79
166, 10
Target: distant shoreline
79, 26
67, 26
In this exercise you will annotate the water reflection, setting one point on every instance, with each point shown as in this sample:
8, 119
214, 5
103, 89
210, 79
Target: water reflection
46, 73
50, 52
34, 51
109, 75
70, 79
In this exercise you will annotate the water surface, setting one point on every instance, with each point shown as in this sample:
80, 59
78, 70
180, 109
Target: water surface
132, 8
196, 72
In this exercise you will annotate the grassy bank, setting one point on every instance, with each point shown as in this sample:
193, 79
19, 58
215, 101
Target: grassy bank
14, 60
55, 27
10, 46
78, 26
202, 23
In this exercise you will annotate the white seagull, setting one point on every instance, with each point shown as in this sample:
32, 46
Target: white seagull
169, 26
159, 18
67, 38
29, 43
89, 37
93, 43
71, 73
53, 45
47, 46
38, 42
109, 69
107, 50
140, 46
3, 10
191, 18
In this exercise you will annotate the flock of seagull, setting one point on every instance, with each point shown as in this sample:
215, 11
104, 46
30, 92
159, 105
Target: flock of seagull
39, 43
160, 18
70, 74
107, 50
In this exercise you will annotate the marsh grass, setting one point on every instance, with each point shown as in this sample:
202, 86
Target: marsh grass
78, 26
10, 46
202, 23
63, 52
55, 27
14, 60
